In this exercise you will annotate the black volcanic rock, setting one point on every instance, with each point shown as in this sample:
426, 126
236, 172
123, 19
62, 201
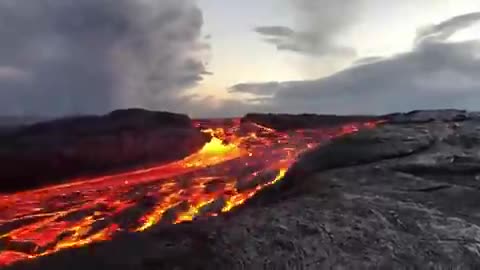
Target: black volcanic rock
425, 116
48, 152
403, 196
116, 121
369, 146
302, 121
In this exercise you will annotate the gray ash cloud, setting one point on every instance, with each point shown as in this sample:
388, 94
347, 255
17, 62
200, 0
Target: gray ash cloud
61, 57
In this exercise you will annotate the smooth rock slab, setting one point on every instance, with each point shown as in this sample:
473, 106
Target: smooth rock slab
367, 146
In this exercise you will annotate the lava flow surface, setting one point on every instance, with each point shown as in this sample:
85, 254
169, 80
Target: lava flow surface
239, 161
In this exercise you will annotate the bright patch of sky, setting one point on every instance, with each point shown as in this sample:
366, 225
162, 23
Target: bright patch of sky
381, 28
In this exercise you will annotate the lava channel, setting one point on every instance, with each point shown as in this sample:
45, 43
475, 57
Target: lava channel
239, 161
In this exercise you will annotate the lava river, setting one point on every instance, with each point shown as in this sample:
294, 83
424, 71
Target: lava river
238, 162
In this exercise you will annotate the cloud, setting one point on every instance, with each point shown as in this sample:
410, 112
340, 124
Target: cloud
13, 74
92, 56
435, 74
285, 38
318, 25
446, 29
257, 89
368, 60
275, 31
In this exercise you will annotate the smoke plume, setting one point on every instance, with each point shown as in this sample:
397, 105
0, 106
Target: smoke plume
67, 56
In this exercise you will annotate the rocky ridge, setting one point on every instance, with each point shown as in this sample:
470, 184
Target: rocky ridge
49, 152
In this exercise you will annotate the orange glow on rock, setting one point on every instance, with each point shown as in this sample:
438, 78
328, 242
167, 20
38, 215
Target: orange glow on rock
237, 163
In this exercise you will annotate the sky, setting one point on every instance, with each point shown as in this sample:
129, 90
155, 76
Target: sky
210, 58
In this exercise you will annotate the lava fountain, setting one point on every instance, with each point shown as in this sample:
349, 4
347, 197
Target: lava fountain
238, 162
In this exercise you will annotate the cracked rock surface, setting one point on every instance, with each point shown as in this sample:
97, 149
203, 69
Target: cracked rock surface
405, 195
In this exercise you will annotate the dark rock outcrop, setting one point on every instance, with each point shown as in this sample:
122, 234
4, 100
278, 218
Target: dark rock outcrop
366, 147
290, 121
303, 121
426, 116
48, 152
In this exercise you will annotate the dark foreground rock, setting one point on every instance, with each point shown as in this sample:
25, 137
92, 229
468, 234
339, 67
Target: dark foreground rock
49, 152
402, 196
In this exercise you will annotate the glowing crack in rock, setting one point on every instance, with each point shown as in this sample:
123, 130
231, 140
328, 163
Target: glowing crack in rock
239, 161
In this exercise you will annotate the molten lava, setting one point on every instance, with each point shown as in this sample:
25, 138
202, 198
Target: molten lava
239, 161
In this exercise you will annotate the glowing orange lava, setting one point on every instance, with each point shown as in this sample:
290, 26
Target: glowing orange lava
239, 161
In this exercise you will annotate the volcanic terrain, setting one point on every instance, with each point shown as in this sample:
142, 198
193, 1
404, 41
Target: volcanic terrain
152, 190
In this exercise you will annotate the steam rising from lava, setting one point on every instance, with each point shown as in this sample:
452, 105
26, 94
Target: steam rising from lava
238, 162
